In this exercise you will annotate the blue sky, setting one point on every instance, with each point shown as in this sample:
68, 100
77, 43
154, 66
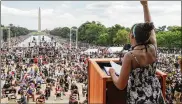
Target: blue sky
74, 13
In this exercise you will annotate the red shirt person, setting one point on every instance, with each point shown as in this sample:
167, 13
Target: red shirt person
35, 60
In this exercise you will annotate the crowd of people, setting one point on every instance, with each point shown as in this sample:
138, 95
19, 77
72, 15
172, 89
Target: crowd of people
25, 70
169, 64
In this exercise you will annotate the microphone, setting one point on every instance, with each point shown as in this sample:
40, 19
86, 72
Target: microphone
127, 47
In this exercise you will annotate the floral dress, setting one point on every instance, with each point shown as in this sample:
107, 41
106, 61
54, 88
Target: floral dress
144, 87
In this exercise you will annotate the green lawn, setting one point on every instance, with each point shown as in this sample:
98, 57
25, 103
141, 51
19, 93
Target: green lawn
38, 33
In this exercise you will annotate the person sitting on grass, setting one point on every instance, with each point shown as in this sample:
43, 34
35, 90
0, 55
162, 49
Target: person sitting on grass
13, 92
6, 89
21, 89
47, 92
66, 87
40, 99
30, 93
58, 92
73, 98
38, 87
180, 63
74, 88
23, 99
39, 79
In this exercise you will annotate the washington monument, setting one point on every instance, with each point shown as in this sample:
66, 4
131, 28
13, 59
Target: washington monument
39, 20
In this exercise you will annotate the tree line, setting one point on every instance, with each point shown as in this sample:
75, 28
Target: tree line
96, 33
14, 31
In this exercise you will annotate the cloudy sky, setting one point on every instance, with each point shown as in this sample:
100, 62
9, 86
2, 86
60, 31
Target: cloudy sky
74, 13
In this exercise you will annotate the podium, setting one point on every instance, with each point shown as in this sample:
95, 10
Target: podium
102, 90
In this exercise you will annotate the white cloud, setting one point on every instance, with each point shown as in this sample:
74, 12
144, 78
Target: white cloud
65, 6
107, 12
14, 11
46, 12
98, 5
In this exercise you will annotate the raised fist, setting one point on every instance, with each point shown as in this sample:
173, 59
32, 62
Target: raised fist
144, 2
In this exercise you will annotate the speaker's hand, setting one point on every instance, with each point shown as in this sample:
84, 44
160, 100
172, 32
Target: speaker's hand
144, 2
111, 71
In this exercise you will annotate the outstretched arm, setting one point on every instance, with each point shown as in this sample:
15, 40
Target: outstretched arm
147, 18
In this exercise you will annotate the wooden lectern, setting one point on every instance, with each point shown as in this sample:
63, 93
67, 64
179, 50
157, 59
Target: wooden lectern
101, 89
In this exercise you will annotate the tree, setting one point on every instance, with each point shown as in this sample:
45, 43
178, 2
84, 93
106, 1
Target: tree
112, 31
103, 39
174, 28
5, 35
63, 32
93, 32
73, 33
10, 25
121, 37
46, 31
169, 39
128, 29
90, 31
74, 27
56, 31
96, 33
160, 29
14, 30
82, 31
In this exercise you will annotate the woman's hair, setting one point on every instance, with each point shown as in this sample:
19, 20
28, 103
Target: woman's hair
142, 32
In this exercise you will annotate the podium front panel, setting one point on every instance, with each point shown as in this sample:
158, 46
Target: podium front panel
97, 80
97, 86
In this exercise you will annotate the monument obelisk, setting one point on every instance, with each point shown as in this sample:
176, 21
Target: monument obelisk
39, 20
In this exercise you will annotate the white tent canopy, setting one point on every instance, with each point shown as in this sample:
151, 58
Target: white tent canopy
91, 50
114, 49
